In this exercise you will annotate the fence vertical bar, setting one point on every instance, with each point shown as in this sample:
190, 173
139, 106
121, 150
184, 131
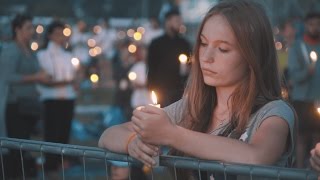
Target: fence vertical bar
84, 164
22, 163
106, 165
62, 163
42, 160
129, 164
151, 173
175, 170
224, 171
2, 165
251, 173
199, 171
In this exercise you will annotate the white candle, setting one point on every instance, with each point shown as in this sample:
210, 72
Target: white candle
155, 103
183, 64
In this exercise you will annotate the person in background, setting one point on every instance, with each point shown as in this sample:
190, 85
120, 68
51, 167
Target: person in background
78, 41
304, 78
153, 30
19, 74
232, 109
58, 96
106, 38
163, 61
140, 95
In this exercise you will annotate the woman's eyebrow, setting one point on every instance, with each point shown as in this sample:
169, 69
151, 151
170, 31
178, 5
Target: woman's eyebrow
216, 41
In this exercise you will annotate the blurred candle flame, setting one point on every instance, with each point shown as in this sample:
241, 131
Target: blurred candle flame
183, 58
94, 78
39, 29
34, 46
313, 56
75, 62
67, 32
132, 76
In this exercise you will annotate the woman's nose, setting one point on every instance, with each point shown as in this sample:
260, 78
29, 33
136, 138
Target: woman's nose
208, 55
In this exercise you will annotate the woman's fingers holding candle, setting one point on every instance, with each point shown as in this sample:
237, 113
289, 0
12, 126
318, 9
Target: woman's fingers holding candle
152, 109
153, 128
140, 108
137, 126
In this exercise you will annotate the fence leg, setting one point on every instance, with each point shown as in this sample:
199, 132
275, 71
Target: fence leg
106, 166
84, 165
22, 164
199, 172
62, 163
42, 160
2, 165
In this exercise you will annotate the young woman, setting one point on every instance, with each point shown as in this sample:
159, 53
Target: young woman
232, 109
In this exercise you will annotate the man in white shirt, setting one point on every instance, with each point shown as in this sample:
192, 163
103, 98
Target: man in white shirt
58, 96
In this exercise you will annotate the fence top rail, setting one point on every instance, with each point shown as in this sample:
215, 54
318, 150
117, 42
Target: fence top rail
165, 160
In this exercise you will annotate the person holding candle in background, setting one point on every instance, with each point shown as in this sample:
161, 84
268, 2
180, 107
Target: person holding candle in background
20, 107
232, 109
58, 95
164, 68
138, 78
304, 77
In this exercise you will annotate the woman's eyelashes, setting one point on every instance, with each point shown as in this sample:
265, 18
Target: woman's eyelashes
223, 50
203, 44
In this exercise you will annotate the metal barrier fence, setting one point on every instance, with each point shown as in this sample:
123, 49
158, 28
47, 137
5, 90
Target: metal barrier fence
84, 152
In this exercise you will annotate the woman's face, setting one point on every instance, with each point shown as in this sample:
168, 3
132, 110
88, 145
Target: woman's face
220, 59
26, 31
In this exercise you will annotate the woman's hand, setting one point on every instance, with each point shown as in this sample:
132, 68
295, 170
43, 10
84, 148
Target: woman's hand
153, 125
143, 151
315, 158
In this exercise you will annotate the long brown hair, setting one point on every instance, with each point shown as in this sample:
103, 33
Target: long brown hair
254, 38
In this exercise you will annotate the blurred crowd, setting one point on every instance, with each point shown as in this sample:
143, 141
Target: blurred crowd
43, 68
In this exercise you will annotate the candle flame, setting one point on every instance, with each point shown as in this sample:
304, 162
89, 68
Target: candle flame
183, 58
318, 109
313, 56
154, 97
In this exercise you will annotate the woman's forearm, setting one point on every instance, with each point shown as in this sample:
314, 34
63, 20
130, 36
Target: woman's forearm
211, 147
265, 148
115, 138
